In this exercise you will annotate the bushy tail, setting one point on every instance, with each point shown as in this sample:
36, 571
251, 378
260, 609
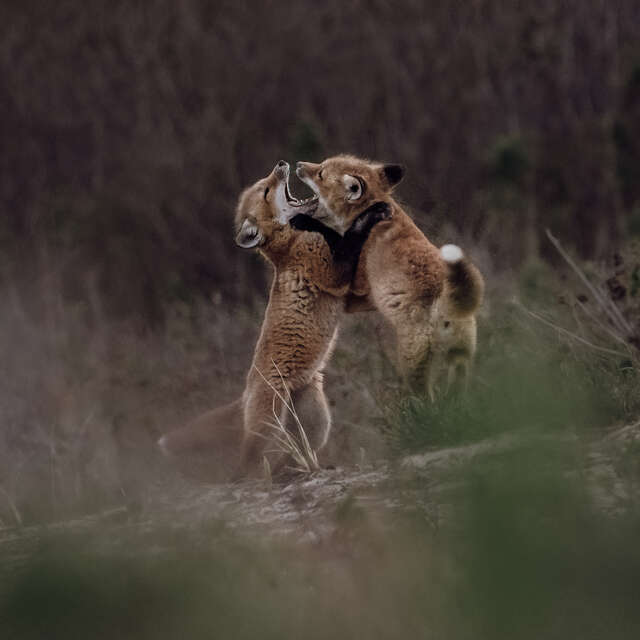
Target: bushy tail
466, 285
218, 430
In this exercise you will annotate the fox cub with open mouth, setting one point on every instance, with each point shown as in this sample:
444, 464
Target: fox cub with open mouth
312, 276
429, 296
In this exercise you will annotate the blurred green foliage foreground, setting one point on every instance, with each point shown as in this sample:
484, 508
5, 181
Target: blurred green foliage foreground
527, 555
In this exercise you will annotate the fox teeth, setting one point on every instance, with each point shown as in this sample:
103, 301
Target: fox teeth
300, 202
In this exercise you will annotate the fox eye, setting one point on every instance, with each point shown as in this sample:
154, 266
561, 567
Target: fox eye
265, 193
320, 174
354, 187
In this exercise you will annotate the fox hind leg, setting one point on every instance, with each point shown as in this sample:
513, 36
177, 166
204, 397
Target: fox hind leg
313, 411
458, 373
412, 356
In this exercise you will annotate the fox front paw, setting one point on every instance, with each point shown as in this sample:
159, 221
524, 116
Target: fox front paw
377, 212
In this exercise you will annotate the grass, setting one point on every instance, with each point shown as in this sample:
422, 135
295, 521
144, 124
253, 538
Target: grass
525, 548
297, 449
552, 358
526, 379
539, 559
84, 398
526, 555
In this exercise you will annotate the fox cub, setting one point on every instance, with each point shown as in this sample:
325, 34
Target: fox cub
428, 296
312, 276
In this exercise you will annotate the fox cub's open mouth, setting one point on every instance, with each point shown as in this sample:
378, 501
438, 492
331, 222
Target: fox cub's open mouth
307, 206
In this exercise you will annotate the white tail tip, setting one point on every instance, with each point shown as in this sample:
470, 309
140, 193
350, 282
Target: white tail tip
451, 253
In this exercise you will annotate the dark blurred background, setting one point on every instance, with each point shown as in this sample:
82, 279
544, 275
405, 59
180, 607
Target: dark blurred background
129, 128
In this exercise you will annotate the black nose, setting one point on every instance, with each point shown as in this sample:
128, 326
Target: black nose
281, 163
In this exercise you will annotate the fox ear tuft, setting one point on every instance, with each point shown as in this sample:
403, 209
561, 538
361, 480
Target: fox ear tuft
249, 235
393, 173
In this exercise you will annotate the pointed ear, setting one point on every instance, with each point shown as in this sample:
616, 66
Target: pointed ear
249, 235
392, 174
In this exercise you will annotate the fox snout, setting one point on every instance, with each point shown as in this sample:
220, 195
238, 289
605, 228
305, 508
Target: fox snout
281, 170
304, 169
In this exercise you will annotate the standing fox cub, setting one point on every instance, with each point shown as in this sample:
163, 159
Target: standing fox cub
312, 276
429, 296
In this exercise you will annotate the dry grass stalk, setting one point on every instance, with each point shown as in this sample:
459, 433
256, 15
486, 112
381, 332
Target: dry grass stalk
12, 505
572, 335
301, 452
620, 326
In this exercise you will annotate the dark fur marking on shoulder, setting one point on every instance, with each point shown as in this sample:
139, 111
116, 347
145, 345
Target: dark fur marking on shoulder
346, 249
302, 222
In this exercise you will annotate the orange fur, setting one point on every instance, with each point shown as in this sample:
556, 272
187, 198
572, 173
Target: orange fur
298, 332
400, 272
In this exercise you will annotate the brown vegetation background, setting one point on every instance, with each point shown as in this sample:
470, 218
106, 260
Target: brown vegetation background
128, 130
